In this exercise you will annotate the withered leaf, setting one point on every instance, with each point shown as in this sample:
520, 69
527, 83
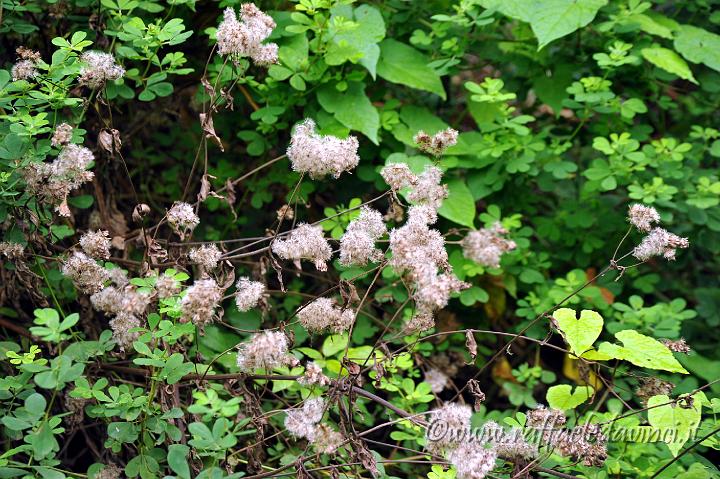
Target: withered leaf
208, 127
471, 345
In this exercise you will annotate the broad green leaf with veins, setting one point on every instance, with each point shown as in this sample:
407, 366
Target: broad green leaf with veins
580, 333
642, 351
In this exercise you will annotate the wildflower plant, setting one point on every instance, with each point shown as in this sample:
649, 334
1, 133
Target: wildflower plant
459, 239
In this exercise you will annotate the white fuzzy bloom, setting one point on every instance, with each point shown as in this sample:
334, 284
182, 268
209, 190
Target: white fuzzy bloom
414, 244
472, 460
207, 255
302, 423
323, 314
96, 244
166, 286
199, 303
243, 37
98, 68
85, 273
659, 242
305, 242
248, 294
121, 326
266, 350
108, 300
487, 245
433, 289
313, 375
437, 143
428, 190
455, 420
643, 217
357, 245
119, 277
320, 155
182, 218
112, 300
62, 135
422, 320
437, 380
398, 176
326, 440
24, 70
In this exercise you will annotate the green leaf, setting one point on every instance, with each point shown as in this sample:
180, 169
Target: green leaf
459, 206
359, 44
669, 61
177, 460
401, 63
698, 46
579, 333
552, 19
352, 108
562, 397
549, 19
642, 351
674, 421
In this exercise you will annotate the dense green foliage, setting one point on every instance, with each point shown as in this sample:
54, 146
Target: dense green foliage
569, 111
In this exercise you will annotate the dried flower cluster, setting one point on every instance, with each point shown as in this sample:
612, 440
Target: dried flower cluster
420, 251
357, 245
487, 245
304, 423
249, 293
650, 386
96, 244
437, 143
53, 182
98, 68
425, 188
266, 350
643, 217
320, 155
182, 218
398, 176
166, 286
200, 301
85, 273
472, 460
11, 250
455, 418
125, 304
658, 241
313, 375
62, 135
305, 242
26, 67
244, 37
437, 380
207, 256
324, 314
677, 345
509, 444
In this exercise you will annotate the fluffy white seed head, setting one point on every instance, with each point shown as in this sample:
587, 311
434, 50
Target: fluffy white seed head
643, 217
455, 420
85, 273
182, 218
659, 242
320, 155
398, 176
305, 242
357, 245
199, 303
324, 314
62, 135
487, 245
207, 256
96, 244
121, 326
313, 375
24, 70
249, 293
266, 350
437, 380
427, 190
302, 423
11, 250
166, 286
98, 68
472, 460
243, 37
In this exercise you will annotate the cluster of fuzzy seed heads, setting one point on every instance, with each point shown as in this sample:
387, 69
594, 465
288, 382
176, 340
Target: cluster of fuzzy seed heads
324, 314
200, 301
305, 242
207, 256
85, 273
182, 218
98, 68
657, 241
244, 37
249, 293
96, 244
62, 135
487, 245
305, 423
26, 67
357, 245
437, 143
266, 350
318, 155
